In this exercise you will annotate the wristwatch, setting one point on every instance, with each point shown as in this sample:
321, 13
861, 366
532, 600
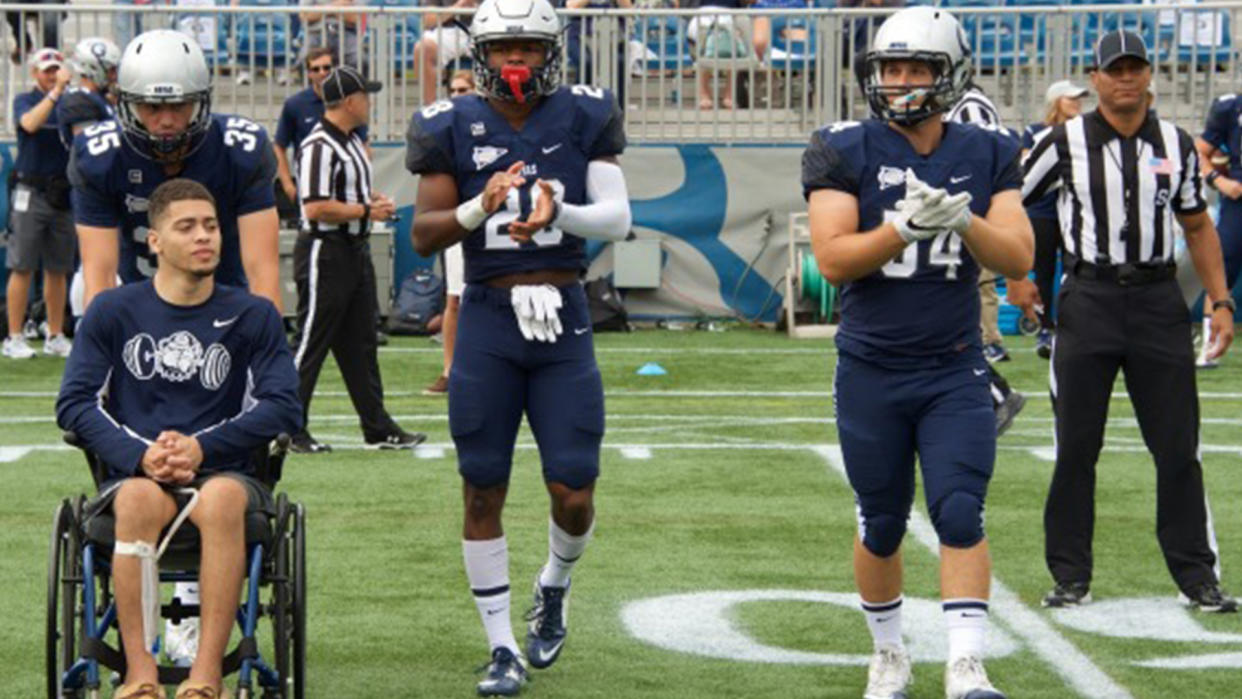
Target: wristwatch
1225, 303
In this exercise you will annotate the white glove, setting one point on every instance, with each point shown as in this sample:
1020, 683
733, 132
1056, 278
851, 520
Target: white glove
537, 309
926, 211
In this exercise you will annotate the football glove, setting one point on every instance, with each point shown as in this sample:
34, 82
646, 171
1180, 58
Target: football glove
537, 309
926, 211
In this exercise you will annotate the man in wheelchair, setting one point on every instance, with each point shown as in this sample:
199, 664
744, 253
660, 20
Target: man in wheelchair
173, 384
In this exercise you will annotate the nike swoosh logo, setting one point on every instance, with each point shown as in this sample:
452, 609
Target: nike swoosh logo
580, 331
493, 612
222, 323
963, 178
550, 149
882, 619
979, 372
546, 655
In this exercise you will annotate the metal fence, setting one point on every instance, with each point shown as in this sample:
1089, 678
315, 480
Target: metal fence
709, 75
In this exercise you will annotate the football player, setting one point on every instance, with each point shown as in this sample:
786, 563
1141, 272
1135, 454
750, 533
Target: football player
904, 208
95, 61
520, 173
1220, 156
164, 128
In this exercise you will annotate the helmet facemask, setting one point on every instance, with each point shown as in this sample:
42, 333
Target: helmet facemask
164, 149
899, 103
515, 83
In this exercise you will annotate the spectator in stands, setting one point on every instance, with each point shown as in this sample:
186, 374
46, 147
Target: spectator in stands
699, 31
460, 85
300, 114
1062, 102
445, 39
46, 23
339, 31
579, 47
41, 232
763, 25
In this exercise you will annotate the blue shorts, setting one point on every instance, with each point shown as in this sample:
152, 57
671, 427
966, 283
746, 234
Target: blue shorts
885, 416
1230, 231
497, 376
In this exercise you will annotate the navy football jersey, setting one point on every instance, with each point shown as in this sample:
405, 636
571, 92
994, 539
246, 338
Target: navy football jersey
925, 302
112, 181
468, 139
1224, 130
80, 106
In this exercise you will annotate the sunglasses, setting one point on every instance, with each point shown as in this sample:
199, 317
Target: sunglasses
320, 69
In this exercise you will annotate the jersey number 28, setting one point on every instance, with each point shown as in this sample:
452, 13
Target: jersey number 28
496, 230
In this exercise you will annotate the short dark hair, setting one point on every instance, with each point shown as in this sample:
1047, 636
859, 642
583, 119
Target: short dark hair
319, 52
174, 190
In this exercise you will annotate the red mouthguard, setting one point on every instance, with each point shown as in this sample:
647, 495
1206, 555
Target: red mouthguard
515, 76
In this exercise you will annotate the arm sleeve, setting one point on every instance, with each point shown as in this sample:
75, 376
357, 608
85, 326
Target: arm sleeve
92, 205
274, 406
80, 405
426, 151
825, 167
1189, 198
1216, 130
257, 193
1042, 167
315, 172
611, 140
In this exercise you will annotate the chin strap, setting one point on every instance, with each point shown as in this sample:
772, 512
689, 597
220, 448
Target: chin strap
515, 76
149, 556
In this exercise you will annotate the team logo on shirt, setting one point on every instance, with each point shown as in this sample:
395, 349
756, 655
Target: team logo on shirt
177, 358
891, 177
486, 155
135, 176
136, 205
477, 129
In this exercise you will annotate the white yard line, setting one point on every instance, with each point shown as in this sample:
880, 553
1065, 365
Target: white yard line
1074, 667
820, 351
657, 393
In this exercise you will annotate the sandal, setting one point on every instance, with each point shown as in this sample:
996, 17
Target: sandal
146, 690
200, 690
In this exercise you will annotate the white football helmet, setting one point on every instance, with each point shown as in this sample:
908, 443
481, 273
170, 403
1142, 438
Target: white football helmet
96, 59
926, 34
164, 66
503, 20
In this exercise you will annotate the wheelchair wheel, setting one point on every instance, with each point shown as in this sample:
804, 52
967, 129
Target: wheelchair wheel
290, 613
63, 576
299, 602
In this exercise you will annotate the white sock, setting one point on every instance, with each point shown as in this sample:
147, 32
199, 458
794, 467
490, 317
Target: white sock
487, 568
884, 622
967, 621
564, 550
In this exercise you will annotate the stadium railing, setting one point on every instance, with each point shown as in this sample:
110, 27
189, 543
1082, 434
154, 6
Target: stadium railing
807, 77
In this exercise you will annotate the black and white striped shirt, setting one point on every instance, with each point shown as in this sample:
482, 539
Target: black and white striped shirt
1117, 195
333, 165
974, 108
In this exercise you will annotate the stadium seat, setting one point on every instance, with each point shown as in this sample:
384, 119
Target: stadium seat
81, 611
666, 42
405, 31
262, 38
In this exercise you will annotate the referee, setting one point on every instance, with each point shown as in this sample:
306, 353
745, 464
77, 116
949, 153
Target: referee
332, 261
1124, 175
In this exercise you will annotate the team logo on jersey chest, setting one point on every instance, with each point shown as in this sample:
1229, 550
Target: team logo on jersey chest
486, 155
135, 176
478, 129
891, 177
136, 205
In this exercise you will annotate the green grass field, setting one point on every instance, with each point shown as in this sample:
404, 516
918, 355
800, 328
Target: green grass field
718, 477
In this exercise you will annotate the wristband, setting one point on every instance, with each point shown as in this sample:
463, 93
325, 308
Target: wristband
366, 212
471, 214
1211, 179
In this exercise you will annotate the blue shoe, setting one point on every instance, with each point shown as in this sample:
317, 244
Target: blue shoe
548, 625
506, 675
1043, 344
995, 352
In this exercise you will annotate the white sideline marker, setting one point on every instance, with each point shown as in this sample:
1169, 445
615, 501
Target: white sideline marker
424, 451
636, 452
1075, 668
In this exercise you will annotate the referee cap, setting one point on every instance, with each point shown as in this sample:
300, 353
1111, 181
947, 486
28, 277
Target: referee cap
1119, 44
344, 81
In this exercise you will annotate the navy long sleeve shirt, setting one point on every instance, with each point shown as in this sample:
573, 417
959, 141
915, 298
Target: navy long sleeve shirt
220, 371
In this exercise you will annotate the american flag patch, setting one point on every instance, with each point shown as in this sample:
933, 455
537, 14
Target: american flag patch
1162, 166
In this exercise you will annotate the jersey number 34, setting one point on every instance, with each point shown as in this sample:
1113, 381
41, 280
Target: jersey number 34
945, 251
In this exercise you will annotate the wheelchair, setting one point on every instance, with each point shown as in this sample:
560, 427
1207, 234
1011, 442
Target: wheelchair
81, 611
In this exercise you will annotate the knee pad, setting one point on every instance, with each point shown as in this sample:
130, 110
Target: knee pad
881, 533
958, 519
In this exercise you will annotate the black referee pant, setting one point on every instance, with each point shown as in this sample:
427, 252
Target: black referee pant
1138, 324
337, 312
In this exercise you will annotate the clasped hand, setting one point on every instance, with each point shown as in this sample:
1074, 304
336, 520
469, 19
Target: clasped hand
926, 211
173, 458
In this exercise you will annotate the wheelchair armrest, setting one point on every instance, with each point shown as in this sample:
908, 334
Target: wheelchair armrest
72, 439
99, 472
270, 460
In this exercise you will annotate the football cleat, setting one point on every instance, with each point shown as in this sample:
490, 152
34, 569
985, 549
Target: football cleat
1043, 344
1208, 597
1068, 595
889, 674
965, 678
1008, 410
397, 440
549, 622
995, 352
506, 675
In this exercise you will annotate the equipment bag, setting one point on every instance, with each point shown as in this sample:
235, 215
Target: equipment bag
607, 311
420, 299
